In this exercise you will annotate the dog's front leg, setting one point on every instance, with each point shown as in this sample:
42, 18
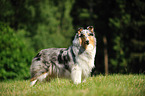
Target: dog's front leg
76, 74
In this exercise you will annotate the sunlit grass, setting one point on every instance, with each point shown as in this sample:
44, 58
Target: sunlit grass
112, 85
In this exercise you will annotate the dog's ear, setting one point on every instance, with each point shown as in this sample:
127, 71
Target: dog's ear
79, 30
91, 28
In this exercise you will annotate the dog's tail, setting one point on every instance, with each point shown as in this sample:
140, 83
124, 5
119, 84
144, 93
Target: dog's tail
40, 78
39, 71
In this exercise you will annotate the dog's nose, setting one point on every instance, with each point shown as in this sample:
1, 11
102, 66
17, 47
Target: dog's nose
87, 42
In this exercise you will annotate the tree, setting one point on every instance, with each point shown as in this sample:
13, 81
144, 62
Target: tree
55, 28
105, 55
128, 26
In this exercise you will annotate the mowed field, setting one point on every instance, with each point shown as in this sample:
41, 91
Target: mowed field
111, 85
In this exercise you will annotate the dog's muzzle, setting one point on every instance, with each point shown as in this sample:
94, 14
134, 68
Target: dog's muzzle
87, 42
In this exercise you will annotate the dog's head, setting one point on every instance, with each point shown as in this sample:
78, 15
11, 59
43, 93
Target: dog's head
87, 37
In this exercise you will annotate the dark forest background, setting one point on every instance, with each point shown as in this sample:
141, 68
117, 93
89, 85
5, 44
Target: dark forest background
28, 26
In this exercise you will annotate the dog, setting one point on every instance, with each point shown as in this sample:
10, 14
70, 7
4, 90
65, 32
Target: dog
75, 62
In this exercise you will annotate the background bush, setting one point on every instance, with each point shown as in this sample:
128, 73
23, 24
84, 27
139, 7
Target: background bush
15, 54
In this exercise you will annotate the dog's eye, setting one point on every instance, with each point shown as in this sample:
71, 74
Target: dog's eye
81, 35
91, 34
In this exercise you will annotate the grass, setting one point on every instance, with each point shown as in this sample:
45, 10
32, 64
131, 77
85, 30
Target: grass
112, 85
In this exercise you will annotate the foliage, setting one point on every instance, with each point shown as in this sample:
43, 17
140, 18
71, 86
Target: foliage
15, 54
47, 22
39, 24
112, 85
55, 29
128, 36
122, 22
35, 25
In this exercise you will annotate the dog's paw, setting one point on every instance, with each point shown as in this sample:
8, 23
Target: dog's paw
77, 82
84, 80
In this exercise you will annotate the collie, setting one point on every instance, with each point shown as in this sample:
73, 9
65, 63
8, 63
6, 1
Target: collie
75, 62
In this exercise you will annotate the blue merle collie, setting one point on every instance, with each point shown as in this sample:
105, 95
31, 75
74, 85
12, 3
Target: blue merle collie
75, 62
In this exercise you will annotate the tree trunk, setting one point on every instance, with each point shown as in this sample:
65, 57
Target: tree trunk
105, 55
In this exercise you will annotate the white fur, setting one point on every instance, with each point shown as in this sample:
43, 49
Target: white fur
33, 82
85, 63
42, 77
76, 74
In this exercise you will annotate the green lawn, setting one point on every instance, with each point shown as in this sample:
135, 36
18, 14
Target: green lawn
112, 85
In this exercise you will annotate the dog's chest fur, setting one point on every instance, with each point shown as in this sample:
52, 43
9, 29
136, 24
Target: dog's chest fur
86, 61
